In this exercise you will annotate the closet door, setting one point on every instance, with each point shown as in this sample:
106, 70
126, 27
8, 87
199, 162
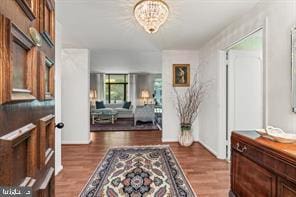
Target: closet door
27, 123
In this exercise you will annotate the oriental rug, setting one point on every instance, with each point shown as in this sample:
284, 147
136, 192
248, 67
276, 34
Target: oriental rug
138, 171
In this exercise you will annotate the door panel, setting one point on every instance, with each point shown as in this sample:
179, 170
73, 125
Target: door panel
245, 91
23, 103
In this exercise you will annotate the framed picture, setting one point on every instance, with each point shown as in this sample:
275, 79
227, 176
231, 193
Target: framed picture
18, 60
181, 75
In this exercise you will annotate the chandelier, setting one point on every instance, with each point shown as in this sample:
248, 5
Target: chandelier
151, 14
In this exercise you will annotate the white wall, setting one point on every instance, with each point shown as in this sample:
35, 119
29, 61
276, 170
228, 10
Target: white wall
280, 17
124, 61
58, 97
171, 123
75, 96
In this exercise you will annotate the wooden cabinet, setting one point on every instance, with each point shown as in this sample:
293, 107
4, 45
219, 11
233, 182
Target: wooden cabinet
285, 188
260, 167
243, 182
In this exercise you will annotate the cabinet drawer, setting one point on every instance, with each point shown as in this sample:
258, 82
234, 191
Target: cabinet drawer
286, 188
265, 159
250, 179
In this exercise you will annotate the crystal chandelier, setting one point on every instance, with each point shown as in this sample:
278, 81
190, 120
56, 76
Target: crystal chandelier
151, 14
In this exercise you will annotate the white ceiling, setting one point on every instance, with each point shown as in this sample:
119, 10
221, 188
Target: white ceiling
109, 24
106, 25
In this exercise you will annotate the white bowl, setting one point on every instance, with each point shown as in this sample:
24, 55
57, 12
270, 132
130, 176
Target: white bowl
263, 133
287, 138
272, 130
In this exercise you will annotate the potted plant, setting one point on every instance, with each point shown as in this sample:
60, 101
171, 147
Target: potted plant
187, 107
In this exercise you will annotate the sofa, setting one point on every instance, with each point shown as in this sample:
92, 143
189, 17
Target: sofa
122, 112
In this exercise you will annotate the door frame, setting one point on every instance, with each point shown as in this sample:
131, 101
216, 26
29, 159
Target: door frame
222, 89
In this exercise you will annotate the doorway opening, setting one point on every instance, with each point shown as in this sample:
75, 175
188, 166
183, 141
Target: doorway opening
244, 86
125, 102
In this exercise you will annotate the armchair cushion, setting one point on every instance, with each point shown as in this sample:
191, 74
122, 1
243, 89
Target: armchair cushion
127, 105
100, 105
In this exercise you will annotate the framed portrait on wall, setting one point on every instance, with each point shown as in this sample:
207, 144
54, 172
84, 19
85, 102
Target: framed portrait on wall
181, 75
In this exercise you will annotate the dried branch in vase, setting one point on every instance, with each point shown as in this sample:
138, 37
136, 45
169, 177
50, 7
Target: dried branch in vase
188, 103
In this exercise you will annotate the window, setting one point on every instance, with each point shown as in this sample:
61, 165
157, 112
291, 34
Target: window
115, 88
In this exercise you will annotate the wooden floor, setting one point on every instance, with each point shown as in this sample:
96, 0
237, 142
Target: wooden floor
207, 175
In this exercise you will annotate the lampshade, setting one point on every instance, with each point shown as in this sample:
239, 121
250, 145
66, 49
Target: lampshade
145, 94
93, 94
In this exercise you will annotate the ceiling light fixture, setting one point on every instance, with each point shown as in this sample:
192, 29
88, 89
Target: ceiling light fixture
151, 14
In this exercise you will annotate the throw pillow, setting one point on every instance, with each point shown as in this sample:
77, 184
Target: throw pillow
100, 105
127, 105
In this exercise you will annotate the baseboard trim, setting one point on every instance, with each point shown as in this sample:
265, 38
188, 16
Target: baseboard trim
76, 142
169, 140
208, 148
175, 140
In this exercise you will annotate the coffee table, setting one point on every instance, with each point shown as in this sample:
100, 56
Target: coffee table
104, 116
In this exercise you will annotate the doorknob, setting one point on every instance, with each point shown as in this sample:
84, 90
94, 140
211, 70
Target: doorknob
59, 125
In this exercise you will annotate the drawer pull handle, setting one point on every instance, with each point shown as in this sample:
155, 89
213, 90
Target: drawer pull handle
239, 149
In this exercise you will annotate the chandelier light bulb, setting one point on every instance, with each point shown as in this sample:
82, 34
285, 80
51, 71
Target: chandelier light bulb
151, 14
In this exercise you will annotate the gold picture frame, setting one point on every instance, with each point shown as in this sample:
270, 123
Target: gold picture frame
181, 75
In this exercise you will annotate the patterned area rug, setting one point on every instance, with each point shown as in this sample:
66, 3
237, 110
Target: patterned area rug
123, 124
138, 172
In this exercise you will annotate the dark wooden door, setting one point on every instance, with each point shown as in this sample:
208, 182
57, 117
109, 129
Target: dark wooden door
27, 125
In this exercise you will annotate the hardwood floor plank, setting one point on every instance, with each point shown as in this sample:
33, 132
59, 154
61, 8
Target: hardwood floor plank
207, 175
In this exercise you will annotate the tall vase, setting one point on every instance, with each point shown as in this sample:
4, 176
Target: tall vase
185, 137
